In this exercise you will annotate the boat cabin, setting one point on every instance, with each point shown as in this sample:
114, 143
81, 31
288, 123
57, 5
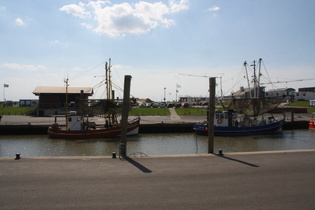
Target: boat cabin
225, 119
233, 119
75, 122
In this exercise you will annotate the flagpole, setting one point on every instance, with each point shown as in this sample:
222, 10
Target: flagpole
4, 87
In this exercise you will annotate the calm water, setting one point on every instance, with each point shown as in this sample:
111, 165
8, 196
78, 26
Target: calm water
153, 144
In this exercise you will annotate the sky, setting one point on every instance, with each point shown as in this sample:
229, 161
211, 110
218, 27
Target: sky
165, 45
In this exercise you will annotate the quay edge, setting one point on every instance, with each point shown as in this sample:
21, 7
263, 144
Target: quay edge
144, 128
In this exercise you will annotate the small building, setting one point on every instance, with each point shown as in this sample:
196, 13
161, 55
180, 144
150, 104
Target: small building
52, 100
304, 96
288, 94
312, 102
245, 93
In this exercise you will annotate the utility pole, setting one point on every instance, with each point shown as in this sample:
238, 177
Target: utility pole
124, 119
211, 114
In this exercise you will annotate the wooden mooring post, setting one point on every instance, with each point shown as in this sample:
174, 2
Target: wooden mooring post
124, 118
211, 114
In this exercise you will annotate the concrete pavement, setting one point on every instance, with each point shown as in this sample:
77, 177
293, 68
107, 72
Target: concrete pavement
173, 118
270, 180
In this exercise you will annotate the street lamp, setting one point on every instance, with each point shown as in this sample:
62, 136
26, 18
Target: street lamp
164, 100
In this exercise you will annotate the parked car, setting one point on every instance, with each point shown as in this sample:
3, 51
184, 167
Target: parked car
155, 105
162, 105
178, 105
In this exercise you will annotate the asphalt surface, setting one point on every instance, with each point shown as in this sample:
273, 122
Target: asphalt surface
272, 180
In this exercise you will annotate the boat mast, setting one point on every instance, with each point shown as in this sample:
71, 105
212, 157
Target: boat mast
108, 86
248, 83
255, 79
259, 74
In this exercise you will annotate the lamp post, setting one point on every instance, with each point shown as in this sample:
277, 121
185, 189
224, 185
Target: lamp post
164, 94
164, 100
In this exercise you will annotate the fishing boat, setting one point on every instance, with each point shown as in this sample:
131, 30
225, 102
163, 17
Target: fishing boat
229, 123
246, 113
80, 128
78, 124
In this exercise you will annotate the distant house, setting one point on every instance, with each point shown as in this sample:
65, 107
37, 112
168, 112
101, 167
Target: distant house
305, 94
288, 94
52, 100
244, 93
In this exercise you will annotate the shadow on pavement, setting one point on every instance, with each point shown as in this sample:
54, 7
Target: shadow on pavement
138, 165
239, 161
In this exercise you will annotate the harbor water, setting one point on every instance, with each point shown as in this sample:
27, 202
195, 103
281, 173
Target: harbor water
154, 144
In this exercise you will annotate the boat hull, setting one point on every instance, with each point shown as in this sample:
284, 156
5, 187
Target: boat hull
311, 125
232, 131
132, 129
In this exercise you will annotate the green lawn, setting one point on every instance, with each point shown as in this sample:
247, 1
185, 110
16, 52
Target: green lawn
305, 104
149, 111
191, 111
15, 110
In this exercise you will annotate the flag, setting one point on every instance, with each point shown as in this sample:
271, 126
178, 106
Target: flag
176, 91
5, 85
178, 86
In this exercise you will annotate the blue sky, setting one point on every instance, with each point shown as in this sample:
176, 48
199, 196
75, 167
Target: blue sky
44, 42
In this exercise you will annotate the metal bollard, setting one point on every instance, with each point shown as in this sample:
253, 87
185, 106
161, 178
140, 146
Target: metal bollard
17, 156
114, 155
220, 152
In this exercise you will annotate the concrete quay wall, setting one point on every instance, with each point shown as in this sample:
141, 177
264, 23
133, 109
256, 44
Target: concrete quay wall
30, 129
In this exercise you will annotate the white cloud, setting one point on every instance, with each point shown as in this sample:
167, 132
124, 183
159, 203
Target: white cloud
86, 25
125, 18
76, 10
213, 9
57, 43
19, 21
24, 67
178, 5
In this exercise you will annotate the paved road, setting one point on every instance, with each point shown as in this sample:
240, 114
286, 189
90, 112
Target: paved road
275, 180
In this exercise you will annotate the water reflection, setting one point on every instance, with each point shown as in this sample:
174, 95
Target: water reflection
153, 144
